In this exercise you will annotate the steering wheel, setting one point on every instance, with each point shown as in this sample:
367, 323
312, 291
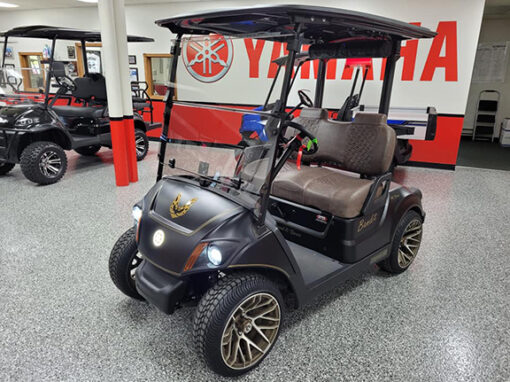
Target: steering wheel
311, 146
66, 83
305, 100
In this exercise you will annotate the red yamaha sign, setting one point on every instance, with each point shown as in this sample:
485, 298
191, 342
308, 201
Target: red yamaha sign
208, 59
441, 57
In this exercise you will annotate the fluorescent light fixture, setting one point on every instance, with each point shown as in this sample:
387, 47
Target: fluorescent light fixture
88, 1
8, 5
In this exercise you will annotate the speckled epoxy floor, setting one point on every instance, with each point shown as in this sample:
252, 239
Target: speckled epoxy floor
446, 319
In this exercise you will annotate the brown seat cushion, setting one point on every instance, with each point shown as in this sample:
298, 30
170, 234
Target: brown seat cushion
323, 188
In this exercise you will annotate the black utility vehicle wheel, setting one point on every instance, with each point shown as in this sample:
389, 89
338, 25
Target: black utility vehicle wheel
88, 150
124, 259
43, 162
406, 243
237, 322
141, 144
6, 167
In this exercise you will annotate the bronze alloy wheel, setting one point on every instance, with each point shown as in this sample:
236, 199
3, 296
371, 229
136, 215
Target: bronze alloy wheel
410, 243
250, 331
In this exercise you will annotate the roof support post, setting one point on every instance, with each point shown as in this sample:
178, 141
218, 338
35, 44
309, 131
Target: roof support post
389, 74
319, 86
169, 103
280, 109
3, 79
118, 88
84, 55
50, 73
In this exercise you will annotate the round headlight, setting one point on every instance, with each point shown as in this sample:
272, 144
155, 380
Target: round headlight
158, 238
214, 255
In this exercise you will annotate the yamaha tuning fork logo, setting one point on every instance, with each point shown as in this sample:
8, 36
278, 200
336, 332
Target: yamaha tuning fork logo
208, 58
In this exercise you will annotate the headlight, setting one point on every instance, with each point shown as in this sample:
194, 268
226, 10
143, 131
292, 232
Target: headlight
211, 254
137, 214
214, 255
22, 122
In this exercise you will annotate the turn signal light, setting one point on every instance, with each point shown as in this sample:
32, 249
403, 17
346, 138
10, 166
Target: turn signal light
194, 256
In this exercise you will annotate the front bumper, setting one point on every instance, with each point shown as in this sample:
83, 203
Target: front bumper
158, 287
9, 141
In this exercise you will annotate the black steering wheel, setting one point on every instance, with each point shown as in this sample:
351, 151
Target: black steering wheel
305, 100
66, 82
311, 145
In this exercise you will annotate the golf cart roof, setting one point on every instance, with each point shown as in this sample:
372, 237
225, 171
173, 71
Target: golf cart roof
275, 22
49, 32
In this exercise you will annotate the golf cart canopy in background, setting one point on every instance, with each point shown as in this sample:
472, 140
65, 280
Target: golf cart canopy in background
49, 32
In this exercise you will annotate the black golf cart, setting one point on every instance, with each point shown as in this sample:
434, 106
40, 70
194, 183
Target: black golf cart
35, 130
247, 236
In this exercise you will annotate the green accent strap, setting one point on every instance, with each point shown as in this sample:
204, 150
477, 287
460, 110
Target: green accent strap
309, 144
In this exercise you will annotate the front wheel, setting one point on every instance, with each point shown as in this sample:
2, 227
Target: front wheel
88, 150
124, 259
141, 144
237, 322
43, 162
6, 167
406, 243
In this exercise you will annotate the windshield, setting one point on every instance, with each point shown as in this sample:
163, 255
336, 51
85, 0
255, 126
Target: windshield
227, 150
22, 85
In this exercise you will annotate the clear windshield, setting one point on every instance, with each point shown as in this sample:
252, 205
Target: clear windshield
22, 85
229, 150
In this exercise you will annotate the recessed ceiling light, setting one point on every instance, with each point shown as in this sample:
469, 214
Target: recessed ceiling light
88, 1
8, 5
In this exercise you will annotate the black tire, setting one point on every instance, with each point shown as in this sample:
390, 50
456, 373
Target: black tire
6, 167
88, 150
32, 162
141, 144
216, 309
411, 220
124, 259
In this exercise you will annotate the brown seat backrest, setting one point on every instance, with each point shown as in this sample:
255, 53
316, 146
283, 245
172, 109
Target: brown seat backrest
365, 146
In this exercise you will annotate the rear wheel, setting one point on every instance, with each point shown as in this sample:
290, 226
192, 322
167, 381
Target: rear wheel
6, 167
123, 262
141, 144
88, 150
406, 243
43, 162
237, 322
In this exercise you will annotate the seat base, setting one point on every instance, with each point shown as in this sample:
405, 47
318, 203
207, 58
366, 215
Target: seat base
327, 189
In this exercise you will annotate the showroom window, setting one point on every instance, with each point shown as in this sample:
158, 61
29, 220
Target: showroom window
157, 71
33, 70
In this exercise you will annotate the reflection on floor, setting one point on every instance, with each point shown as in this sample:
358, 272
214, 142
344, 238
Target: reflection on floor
483, 154
446, 319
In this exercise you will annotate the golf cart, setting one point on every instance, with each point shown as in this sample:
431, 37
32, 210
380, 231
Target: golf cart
247, 236
35, 130
408, 123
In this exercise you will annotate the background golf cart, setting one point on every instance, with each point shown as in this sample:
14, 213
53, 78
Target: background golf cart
36, 128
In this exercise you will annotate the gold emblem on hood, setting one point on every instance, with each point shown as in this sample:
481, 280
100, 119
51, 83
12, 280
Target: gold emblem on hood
177, 210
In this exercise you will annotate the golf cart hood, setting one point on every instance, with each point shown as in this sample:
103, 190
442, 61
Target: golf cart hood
177, 216
11, 116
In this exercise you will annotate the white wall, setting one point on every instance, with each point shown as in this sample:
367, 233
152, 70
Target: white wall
493, 30
448, 97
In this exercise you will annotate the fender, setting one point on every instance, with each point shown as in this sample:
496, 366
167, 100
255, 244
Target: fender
63, 137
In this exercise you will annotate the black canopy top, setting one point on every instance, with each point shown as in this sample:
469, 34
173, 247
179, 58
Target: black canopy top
49, 32
274, 22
